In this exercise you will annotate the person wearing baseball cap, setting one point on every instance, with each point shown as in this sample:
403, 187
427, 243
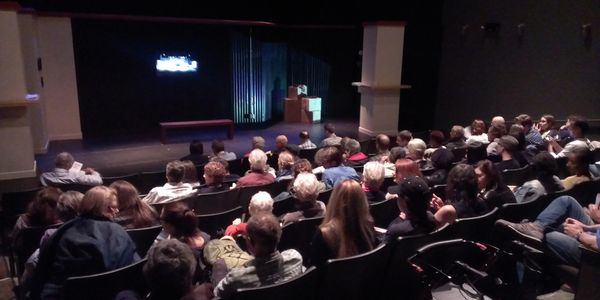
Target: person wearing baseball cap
413, 201
507, 145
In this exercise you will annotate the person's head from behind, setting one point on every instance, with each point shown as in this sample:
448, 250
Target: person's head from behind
68, 205
580, 128
403, 138
261, 202
498, 121
214, 173
442, 159
170, 269
304, 136
301, 166
477, 127
175, 171
306, 188
285, 160
258, 160
179, 221
99, 201
64, 160
414, 197
578, 162
547, 122
190, 174
196, 147
508, 144
352, 147
525, 121
217, 146
258, 142
330, 156
436, 138
518, 132
373, 174
395, 154
42, 210
462, 184
348, 225
382, 142
406, 167
263, 233
416, 149
280, 142
544, 165
221, 161
457, 132
329, 129
495, 132
127, 195
487, 175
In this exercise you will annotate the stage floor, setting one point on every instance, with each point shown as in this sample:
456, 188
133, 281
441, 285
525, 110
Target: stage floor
126, 155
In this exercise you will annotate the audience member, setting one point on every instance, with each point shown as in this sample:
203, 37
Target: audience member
285, 163
281, 142
305, 142
190, 174
494, 135
269, 265
546, 127
306, 190
579, 129
545, 168
64, 174
133, 212
436, 140
172, 190
491, 187
532, 136
334, 171
521, 155
413, 202
229, 178
258, 174
404, 168
498, 121
416, 150
441, 160
88, 244
507, 146
382, 144
196, 155
578, 165
354, 155
331, 139
564, 134
42, 211
260, 202
403, 138
347, 228
373, 174
214, 173
457, 138
478, 133
218, 148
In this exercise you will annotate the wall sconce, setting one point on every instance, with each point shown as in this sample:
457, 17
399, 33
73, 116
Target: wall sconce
586, 33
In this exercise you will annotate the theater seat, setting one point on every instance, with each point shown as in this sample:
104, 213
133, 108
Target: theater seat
302, 287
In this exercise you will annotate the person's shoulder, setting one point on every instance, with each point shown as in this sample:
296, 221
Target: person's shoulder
291, 255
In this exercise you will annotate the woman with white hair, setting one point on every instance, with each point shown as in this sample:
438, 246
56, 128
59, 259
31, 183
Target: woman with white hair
258, 174
260, 202
305, 190
373, 174
416, 150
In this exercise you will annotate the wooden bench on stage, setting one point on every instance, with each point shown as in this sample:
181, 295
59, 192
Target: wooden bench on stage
189, 124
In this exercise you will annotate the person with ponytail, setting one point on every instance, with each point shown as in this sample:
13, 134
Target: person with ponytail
133, 212
347, 228
413, 201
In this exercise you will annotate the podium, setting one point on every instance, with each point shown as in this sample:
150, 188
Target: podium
300, 108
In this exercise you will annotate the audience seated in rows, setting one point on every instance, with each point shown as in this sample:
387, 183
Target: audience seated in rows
354, 155
457, 138
91, 243
269, 266
260, 202
461, 197
579, 128
331, 139
507, 146
64, 174
306, 190
218, 148
42, 211
347, 228
331, 159
578, 165
181, 223
285, 163
532, 136
196, 155
373, 174
258, 173
546, 182
214, 173
172, 190
413, 202
305, 142
133, 212
491, 187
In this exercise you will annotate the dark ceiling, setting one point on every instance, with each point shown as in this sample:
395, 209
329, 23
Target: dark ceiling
282, 12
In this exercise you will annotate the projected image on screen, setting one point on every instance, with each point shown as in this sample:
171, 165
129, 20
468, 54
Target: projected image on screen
173, 63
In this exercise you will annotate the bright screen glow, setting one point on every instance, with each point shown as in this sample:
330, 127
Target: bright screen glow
172, 63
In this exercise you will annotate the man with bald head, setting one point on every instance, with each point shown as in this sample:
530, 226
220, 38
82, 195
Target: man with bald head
281, 142
63, 174
498, 121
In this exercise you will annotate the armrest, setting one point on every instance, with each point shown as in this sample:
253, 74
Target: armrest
589, 272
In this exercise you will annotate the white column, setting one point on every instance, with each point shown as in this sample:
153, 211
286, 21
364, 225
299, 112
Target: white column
380, 85
16, 144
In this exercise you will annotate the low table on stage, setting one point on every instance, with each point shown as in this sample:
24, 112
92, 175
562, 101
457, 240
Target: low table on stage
190, 124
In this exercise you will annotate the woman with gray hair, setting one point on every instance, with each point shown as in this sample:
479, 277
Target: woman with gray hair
373, 174
261, 202
305, 190
416, 150
258, 174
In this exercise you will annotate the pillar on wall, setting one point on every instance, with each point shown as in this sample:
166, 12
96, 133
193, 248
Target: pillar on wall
16, 146
380, 84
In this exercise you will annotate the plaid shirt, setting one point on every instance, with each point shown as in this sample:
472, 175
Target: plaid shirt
276, 268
